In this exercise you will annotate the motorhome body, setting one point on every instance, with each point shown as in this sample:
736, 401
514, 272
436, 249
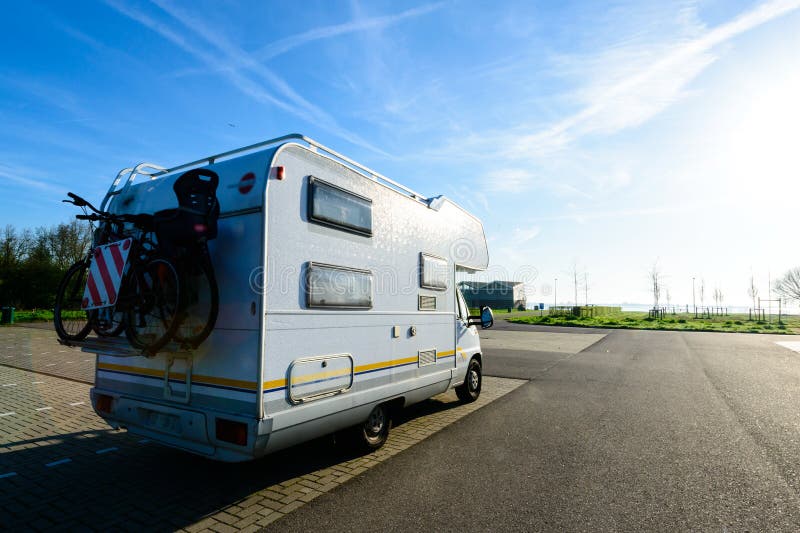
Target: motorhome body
337, 294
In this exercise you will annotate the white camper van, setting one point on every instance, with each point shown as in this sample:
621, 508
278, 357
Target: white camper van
337, 305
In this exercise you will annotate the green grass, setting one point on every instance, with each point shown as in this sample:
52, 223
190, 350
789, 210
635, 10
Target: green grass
640, 320
40, 315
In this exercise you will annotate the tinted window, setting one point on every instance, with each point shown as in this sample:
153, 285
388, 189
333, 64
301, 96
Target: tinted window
433, 272
335, 286
333, 206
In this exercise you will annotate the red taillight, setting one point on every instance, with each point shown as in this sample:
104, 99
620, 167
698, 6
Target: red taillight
233, 432
280, 172
103, 403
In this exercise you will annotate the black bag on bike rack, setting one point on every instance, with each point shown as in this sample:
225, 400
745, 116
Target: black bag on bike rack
195, 220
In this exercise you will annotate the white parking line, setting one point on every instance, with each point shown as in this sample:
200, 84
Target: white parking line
76, 403
9, 474
59, 462
10, 413
51, 364
10, 385
44, 353
86, 360
792, 345
44, 408
70, 361
36, 382
106, 450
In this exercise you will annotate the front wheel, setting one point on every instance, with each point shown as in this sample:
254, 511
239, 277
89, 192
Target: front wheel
469, 391
71, 321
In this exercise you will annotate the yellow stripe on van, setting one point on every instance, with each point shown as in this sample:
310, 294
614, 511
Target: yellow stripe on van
320, 375
196, 378
272, 384
386, 364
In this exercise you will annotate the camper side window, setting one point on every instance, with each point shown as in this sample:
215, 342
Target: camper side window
463, 311
330, 205
433, 272
337, 286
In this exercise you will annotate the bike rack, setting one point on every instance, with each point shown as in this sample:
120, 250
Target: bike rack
169, 393
119, 347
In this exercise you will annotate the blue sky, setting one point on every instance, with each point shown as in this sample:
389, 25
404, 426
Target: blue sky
610, 136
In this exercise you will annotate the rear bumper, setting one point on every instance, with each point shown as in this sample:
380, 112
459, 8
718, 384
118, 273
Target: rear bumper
177, 426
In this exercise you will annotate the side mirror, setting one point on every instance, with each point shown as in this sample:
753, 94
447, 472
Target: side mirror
484, 320
487, 317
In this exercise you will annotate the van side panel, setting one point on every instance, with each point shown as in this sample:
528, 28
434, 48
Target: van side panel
384, 366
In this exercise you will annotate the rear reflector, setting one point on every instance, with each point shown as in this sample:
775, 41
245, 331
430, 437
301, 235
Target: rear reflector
233, 432
103, 403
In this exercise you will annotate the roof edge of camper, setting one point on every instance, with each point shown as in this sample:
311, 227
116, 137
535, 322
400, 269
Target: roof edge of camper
153, 171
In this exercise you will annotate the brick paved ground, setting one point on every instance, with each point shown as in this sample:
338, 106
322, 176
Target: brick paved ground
61, 467
33, 347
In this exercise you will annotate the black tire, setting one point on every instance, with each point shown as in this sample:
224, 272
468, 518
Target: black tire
200, 304
373, 433
72, 323
469, 391
154, 314
108, 323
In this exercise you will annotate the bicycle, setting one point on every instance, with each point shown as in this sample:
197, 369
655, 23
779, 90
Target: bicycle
179, 262
148, 291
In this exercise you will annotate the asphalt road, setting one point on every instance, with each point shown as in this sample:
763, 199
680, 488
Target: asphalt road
642, 430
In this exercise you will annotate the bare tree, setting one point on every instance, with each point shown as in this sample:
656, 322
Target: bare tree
789, 285
68, 243
575, 280
655, 283
13, 247
718, 297
752, 290
702, 291
669, 297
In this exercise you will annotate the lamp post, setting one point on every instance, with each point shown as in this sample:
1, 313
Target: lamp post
555, 293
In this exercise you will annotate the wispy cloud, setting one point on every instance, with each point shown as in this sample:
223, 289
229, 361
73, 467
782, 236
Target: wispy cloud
28, 178
585, 216
624, 85
229, 60
523, 235
512, 180
282, 46
636, 98
46, 93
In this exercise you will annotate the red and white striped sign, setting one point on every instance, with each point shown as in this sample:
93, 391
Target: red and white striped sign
105, 274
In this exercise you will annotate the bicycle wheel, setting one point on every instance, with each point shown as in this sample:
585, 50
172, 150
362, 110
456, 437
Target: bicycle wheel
72, 323
200, 304
108, 322
152, 318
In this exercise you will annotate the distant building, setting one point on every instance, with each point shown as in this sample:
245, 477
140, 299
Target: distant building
497, 294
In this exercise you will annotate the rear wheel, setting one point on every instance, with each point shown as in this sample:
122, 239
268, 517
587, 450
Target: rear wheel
200, 304
374, 432
152, 319
471, 388
72, 323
